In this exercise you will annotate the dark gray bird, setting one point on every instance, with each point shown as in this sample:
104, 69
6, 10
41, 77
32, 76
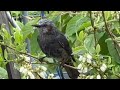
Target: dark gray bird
54, 44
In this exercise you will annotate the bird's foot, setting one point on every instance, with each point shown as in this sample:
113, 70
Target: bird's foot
62, 62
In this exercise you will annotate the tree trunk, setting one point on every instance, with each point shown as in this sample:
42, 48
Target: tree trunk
12, 72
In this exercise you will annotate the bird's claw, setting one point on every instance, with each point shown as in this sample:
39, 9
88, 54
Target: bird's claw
62, 62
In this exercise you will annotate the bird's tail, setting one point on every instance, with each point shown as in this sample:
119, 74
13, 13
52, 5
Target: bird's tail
72, 73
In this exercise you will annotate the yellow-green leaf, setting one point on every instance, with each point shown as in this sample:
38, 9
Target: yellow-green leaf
97, 48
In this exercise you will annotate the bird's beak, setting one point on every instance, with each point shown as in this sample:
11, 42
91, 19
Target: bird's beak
38, 26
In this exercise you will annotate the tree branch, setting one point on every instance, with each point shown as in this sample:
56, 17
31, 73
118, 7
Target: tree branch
92, 23
107, 30
64, 65
112, 36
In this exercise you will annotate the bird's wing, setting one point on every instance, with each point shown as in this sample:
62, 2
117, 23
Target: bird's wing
65, 44
41, 47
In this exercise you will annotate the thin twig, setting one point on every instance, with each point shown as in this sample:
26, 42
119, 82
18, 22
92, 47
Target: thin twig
112, 36
65, 65
92, 23
117, 75
107, 30
43, 63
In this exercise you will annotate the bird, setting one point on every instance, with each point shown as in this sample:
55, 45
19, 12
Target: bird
54, 44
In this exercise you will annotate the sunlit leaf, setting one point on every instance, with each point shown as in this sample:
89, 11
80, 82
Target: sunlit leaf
109, 60
34, 44
20, 24
107, 14
89, 43
3, 73
5, 54
18, 36
97, 48
79, 50
28, 28
81, 36
75, 24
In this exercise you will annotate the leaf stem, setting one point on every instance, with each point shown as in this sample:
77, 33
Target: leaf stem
92, 23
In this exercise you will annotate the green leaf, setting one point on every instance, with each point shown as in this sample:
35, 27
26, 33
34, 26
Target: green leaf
114, 77
103, 44
79, 50
0, 50
1, 58
100, 25
81, 36
34, 44
117, 39
89, 43
115, 26
3, 73
72, 38
53, 15
57, 22
50, 67
21, 47
107, 14
76, 24
28, 28
99, 35
97, 48
65, 18
5, 54
85, 25
18, 36
109, 60
117, 69
112, 50
15, 13
20, 24
6, 36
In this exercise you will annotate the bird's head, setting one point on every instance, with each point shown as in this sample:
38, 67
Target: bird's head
45, 25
